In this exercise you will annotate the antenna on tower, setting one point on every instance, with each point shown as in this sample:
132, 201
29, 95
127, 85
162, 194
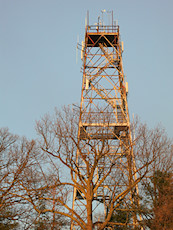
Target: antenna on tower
103, 11
109, 16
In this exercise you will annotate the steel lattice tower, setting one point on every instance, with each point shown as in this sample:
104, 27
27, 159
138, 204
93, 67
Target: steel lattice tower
104, 118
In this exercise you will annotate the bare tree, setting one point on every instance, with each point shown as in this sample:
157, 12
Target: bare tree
59, 139
38, 178
8, 179
29, 184
41, 191
155, 188
16, 158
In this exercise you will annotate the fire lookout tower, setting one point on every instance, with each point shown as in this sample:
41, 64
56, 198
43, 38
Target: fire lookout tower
105, 153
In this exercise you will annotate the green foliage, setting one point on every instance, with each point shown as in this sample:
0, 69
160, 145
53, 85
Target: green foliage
159, 201
120, 216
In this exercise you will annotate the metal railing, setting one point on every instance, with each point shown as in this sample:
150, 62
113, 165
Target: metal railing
103, 28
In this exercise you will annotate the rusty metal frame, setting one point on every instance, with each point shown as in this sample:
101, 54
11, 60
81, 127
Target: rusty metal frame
104, 116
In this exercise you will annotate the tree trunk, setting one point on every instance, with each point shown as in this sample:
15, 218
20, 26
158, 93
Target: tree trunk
89, 214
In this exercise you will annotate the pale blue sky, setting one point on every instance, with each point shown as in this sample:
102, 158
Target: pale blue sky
38, 69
